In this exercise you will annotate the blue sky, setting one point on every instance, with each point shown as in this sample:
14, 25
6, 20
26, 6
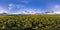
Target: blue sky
29, 6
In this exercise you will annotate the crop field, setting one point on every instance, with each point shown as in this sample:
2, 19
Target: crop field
30, 22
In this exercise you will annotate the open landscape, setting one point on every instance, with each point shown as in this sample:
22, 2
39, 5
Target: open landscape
30, 22
29, 14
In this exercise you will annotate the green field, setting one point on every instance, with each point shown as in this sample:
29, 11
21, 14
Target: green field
30, 22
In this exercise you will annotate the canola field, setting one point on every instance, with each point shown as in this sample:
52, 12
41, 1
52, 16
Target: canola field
30, 22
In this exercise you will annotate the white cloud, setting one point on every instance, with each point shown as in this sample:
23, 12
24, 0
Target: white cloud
29, 11
2, 10
57, 6
56, 10
12, 6
21, 9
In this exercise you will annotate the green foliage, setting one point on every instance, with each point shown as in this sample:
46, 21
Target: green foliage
30, 22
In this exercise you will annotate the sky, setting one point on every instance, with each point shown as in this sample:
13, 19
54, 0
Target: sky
29, 6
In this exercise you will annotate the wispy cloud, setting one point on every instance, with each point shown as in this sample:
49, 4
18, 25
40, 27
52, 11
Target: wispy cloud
25, 1
13, 8
2, 10
30, 11
55, 9
22, 9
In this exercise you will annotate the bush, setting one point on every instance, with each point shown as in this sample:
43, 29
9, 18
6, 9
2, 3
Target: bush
30, 22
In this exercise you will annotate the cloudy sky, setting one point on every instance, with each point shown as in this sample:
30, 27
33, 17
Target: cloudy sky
29, 6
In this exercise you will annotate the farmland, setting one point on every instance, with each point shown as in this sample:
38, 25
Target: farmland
30, 22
